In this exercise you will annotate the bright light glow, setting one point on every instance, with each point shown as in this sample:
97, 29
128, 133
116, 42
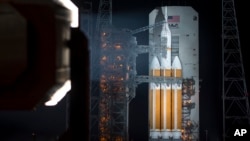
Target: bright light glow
59, 94
74, 12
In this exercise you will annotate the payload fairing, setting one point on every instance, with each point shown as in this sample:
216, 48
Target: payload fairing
174, 55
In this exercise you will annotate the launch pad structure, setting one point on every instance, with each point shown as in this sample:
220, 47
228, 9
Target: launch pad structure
173, 97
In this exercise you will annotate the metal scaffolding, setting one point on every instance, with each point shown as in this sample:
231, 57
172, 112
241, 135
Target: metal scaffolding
104, 18
188, 125
234, 91
116, 83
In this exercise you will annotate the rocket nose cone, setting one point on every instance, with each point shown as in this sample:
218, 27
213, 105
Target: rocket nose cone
164, 10
176, 63
155, 63
160, 15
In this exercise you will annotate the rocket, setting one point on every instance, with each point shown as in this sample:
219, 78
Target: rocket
176, 68
166, 54
165, 99
154, 100
166, 88
170, 111
176, 99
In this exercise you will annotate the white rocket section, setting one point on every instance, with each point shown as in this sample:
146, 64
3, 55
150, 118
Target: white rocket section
166, 27
176, 64
166, 42
155, 64
164, 63
168, 58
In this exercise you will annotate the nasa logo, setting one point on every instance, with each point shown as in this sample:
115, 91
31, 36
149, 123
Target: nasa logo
173, 25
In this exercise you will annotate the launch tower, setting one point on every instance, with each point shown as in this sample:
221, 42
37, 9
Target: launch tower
235, 98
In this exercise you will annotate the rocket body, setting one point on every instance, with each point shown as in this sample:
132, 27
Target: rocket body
175, 46
165, 99
176, 99
154, 100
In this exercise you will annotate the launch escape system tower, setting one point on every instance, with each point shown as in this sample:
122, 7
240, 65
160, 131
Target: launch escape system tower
173, 93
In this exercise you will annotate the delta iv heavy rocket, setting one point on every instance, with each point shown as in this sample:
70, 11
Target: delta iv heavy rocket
167, 119
165, 99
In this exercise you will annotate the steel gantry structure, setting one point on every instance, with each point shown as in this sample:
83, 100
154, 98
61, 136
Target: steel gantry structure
104, 18
113, 70
234, 91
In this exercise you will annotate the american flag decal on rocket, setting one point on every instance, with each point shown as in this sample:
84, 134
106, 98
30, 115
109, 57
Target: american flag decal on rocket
173, 19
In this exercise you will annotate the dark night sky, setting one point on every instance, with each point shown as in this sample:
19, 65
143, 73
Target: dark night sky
132, 14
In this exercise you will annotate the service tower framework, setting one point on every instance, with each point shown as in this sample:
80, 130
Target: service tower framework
235, 98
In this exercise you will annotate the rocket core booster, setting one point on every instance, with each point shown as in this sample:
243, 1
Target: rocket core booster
176, 99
